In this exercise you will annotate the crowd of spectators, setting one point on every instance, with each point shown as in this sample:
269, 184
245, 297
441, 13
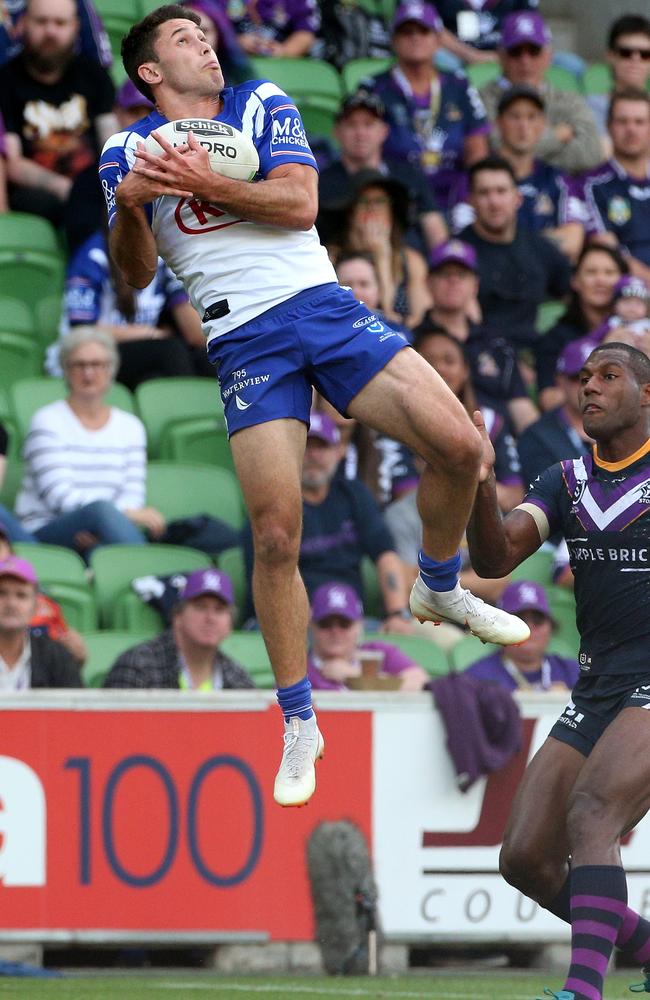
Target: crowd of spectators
455, 214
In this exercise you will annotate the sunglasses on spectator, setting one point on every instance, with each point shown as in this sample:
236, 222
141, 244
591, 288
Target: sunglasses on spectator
628, 51
519, 50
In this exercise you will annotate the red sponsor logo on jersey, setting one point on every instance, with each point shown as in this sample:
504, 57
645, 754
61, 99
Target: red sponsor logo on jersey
195, 216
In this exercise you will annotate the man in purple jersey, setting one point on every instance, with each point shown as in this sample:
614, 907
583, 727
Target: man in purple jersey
589, 784
277, 324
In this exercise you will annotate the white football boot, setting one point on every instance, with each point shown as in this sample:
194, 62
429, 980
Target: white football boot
295, 781
461, 607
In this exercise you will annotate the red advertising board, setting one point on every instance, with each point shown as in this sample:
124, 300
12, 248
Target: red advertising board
164, 820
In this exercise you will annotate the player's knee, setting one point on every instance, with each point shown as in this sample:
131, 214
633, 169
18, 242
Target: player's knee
525, 868
276, 540
458, 447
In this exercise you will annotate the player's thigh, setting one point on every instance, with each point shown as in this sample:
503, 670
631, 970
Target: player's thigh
536, 828
616, 777
268, 460
408, 400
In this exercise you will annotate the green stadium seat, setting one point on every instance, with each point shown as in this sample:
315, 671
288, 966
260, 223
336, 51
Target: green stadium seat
419, 648
232, 562
538, 567
55, 564
358, 69
299, 77
28, 395
115, 566
481, 73
62, 574
318, 114
249, 650
201, 440
103, 649
373, 603
78, 605
163, 401
48, 317
468, 650
16, 316
20, 357
12, 482
179, 490
117, 17
563, 608
597, 79
562, 79
548, 313
31, 260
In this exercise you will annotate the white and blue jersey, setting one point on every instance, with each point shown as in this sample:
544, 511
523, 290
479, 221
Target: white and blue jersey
216, 255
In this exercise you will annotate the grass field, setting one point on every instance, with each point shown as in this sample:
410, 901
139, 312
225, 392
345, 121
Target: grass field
487, 985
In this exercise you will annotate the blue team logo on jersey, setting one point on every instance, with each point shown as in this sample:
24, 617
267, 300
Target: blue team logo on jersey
619, 210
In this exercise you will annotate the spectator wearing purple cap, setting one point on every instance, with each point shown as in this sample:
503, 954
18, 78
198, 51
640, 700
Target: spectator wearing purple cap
360, 132
28, 660
337, 644
341, 525
187, 655
529, 666
559, 434
454, 285
436, 120
519, 270
130, 105
284, 28
473, 27
613, 200
570, 140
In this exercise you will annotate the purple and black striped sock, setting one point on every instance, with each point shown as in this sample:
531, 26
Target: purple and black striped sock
633, 935
598, 907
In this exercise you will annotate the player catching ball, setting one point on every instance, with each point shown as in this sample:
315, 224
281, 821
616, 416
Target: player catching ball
590, 781
277, 323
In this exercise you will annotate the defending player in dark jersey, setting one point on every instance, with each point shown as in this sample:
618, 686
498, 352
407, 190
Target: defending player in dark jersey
590, 781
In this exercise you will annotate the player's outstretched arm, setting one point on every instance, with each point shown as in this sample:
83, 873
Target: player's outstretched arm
497, 545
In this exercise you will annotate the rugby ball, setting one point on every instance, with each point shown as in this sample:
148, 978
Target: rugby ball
231, 152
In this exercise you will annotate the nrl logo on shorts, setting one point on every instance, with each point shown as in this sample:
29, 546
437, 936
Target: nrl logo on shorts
203, 127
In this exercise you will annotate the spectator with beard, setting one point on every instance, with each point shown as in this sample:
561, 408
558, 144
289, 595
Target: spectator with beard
58, 112
93, 40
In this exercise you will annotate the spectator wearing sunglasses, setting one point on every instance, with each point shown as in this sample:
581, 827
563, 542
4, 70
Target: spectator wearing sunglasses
570, 140
628, 56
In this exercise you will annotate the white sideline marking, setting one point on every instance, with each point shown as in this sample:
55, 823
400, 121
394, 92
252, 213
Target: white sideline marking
321, 990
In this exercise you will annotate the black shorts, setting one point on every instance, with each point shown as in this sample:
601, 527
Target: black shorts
595, 702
